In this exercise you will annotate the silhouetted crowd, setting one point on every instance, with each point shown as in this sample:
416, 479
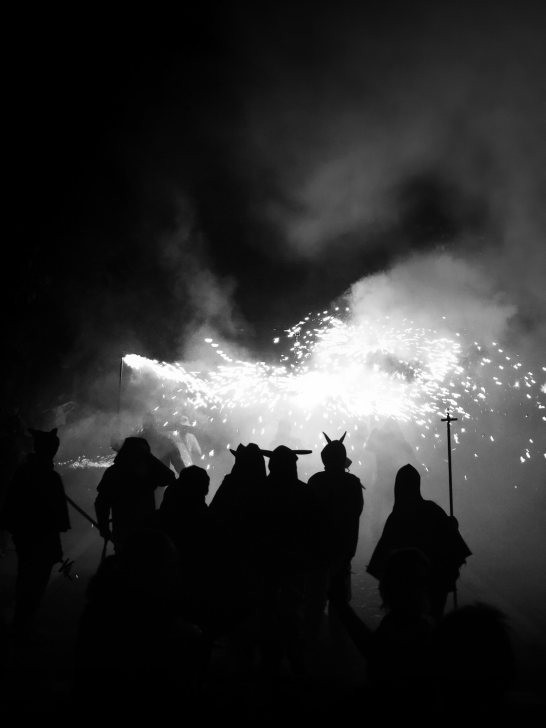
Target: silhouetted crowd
265, 571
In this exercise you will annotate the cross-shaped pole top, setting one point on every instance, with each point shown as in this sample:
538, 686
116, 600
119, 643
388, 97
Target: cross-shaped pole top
449, 418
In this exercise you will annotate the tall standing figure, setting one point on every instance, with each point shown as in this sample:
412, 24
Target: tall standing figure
422, 524
288, 544
340, 503
35, 513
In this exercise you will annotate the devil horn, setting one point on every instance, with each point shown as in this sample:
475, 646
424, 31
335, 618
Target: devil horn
327, 438
343, 436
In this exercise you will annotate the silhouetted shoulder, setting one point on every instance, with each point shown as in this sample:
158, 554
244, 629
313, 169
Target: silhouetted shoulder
316, 479
435, 510
353, 480
161, 474
107, 481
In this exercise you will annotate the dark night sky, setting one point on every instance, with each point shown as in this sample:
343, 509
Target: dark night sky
271, 156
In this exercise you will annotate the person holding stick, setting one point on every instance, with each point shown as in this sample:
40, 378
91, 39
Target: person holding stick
424, 525
126, 491
35, 513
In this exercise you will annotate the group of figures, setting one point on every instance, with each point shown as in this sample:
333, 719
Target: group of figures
262, 561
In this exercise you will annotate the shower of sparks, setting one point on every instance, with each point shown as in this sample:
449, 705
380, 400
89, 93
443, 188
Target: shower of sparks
333, 374
83, 462
331, 367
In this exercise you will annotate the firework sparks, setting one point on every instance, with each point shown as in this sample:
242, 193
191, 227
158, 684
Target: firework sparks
336, 373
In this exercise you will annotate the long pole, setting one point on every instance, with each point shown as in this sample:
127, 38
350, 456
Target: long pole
120, 385
67, 565
82, 512
449, 419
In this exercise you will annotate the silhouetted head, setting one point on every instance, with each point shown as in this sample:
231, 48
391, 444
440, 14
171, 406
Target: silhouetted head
404, 584
334, 454
46, 444
134, 451
193, 482
407, 486
282, 462
249, 462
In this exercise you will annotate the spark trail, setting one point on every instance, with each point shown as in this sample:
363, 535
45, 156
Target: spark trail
335, 374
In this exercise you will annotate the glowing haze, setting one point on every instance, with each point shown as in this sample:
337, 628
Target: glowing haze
356, 366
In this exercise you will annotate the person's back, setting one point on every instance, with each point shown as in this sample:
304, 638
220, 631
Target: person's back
288, 514
184, 517
339, 496
127, 490
35, 513
36, 503
237, 499
237, 515
339, 499
422, 524
287, 542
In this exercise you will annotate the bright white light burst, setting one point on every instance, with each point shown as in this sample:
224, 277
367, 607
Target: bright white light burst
337, 373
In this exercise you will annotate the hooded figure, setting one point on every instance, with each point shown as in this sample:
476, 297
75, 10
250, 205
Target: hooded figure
235, 499
422, 524
35, 513
184, 516
184, 509
126, 490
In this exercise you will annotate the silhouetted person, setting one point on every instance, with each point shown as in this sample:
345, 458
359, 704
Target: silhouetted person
289, 540
235, 500
400, 651
126, 491
14, 447
35, 513
184, 517
400, 661
475, 666
161, 445
340, 500
422, 524
136, 651
184, 511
